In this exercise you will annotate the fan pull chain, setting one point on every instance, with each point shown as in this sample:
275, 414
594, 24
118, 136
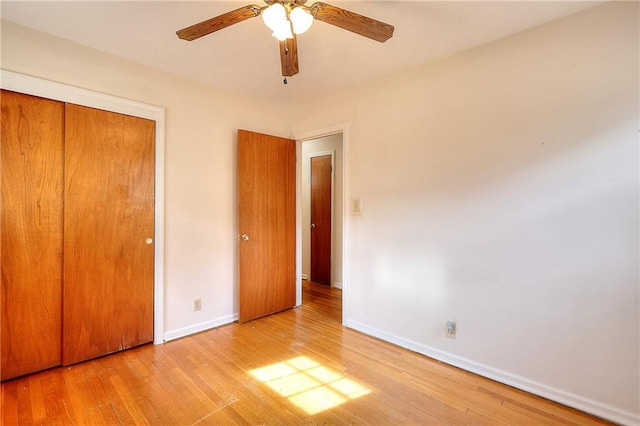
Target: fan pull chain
286, 52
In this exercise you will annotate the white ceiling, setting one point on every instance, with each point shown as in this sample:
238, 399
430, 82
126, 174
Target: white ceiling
245, 58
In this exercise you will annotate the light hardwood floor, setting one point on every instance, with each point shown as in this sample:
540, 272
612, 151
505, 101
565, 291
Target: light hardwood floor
297, 367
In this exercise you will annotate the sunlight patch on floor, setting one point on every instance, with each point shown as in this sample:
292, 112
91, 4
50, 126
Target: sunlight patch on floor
308, 384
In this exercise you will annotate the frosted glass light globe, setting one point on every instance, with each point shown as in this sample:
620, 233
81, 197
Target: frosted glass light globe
283, 32
301, 20
274, 15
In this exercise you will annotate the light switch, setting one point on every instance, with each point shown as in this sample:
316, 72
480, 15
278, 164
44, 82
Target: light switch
356, 206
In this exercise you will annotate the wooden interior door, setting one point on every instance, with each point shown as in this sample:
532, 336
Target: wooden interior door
108, 226
32, 157
266, 219
320, 268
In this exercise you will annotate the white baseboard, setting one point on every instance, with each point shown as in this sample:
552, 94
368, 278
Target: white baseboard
202, 326
305, 277
337, 285
605, 411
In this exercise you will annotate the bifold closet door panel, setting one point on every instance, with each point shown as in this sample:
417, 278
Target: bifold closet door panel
108, 227
31, 160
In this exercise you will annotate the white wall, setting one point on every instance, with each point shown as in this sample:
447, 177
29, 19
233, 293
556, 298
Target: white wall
200, 164
500, 190
314, 146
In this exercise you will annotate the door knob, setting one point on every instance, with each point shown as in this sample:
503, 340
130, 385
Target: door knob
313, 225
148, 240
244, 237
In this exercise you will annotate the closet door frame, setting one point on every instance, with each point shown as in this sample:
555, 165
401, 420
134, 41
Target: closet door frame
61, 92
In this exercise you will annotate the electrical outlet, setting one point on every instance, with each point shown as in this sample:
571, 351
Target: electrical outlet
451, 329
197, 304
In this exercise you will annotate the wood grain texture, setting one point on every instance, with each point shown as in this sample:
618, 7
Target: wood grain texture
206, 379
366, 27
219, 22
32, 157
266, 213
109, 212
320, 265
289, 56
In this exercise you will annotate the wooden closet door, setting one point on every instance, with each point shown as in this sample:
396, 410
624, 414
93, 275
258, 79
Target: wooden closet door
32, 157
108, 226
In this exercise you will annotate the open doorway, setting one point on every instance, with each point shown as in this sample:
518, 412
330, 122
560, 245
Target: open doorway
321, 204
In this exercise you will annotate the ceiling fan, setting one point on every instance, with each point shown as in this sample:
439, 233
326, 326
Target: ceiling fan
288, 18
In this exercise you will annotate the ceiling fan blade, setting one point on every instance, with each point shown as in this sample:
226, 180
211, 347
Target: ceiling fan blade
367, 27
219, 22
289, 56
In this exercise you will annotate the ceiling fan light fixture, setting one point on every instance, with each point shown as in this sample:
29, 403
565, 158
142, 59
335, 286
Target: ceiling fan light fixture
301, 20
